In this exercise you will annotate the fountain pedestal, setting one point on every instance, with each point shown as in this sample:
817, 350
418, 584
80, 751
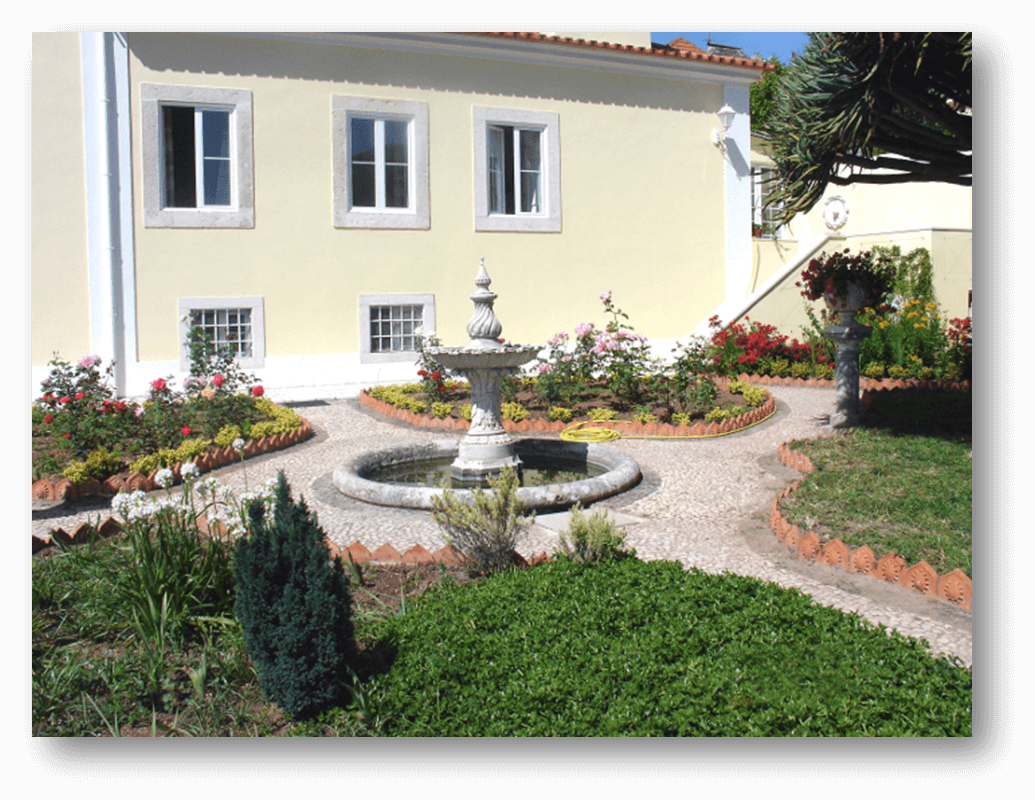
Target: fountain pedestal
485, 362
847, 335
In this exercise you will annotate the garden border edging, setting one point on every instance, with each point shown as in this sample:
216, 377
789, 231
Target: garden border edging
213, 458
633, 428
955, 587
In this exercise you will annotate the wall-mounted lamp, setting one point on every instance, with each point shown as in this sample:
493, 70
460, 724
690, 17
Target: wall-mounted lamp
726, 115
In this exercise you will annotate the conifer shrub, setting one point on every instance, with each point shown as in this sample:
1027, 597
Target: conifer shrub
294, 606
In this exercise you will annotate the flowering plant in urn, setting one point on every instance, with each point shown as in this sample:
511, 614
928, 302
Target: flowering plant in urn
848, 281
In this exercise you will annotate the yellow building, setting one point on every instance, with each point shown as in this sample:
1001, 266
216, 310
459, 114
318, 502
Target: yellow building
934, 216
315, 197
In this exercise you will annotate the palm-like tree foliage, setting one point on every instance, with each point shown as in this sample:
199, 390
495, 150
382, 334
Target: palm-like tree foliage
853, 103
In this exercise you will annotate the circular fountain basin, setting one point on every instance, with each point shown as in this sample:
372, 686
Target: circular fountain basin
617, 472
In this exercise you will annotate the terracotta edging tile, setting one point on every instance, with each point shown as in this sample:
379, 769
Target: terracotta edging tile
213, 458
956, 587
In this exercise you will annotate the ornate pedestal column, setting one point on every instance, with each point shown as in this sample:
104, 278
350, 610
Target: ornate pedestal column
487, 448
847, 334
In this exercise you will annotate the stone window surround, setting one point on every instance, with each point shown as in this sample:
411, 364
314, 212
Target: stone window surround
418, 216
368, 300
549, 122
242, 214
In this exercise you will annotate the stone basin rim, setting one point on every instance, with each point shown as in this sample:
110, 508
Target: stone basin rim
622, 473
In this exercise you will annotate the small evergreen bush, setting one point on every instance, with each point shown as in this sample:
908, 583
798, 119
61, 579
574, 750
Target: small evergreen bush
294, 606
513, 411
487, 532
560, 413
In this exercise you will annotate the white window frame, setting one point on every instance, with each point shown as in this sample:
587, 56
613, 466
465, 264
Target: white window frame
758, 196
241, 211
417, 216
548, 218
186, 305
366, 301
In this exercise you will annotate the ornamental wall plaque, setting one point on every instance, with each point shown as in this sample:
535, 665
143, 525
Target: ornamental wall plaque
835, 212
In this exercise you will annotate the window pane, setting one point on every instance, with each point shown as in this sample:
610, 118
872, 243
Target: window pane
530, 150
363, 140
496, 204
396, 186
530, 194
215, 127
179, 166
396, 150
217, 182
364, 192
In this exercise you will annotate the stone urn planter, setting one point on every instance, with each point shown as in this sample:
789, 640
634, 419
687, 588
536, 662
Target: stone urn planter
853, 300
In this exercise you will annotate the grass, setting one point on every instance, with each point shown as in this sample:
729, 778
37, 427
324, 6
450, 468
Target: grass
901, 481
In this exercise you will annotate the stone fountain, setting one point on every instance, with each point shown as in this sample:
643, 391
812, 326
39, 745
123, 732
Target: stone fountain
485, 362
488, 448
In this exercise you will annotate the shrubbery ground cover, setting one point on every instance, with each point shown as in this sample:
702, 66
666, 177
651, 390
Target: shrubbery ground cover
633, 648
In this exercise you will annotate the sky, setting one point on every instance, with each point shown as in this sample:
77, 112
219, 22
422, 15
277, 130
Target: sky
764, 43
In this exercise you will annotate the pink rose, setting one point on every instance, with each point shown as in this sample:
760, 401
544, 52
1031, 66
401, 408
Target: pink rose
217, 380
258, 391
185, 430
158, 385
48, 419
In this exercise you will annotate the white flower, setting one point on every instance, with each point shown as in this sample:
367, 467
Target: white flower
238, 444
164, 478
189, 470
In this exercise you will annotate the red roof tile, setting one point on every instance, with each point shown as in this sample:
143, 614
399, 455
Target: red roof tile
679, 48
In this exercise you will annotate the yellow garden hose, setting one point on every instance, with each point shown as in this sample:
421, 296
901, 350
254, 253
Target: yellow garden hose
576, 433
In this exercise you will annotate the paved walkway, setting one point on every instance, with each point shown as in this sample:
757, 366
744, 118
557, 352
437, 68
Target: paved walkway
702, 502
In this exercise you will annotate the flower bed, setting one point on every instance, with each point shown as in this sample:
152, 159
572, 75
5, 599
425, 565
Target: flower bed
86, 440
407, 404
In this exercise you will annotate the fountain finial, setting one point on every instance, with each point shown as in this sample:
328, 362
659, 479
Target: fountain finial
484, 329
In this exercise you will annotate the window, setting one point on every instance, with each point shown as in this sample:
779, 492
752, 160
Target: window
389, 325
517, 170
764, 223
196, 157
197, 151
380, 163
392, 328
236, 323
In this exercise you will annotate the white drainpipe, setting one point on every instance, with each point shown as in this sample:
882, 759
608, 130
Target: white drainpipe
109, 211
